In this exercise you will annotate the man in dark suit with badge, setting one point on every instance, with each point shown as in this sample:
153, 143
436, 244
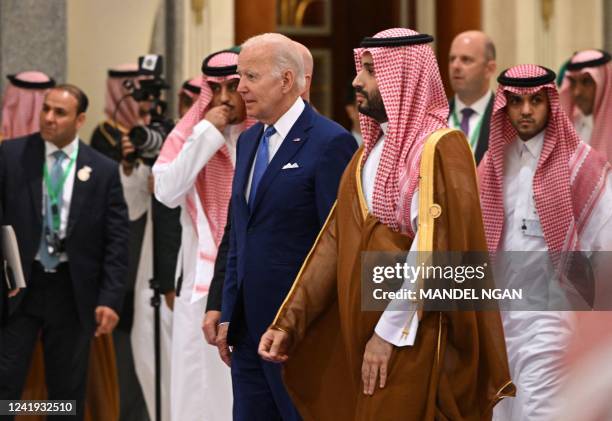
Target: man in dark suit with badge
66, 204
471, 64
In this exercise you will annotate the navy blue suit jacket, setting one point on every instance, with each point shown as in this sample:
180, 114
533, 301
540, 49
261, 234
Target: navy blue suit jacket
97, 231
269, 244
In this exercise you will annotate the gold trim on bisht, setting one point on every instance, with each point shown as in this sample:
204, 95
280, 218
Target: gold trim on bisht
428, 210
362, 201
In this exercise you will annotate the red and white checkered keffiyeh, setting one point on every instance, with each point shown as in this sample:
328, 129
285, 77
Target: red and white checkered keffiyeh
213, 184
411, 89
117, 94
569, 178
196, 82
601, 136
21, 105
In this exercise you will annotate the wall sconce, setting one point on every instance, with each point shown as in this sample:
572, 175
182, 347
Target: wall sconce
547, 8
197, 7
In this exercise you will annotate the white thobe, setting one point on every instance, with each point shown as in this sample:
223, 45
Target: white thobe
392, 323
536, 340
200, 381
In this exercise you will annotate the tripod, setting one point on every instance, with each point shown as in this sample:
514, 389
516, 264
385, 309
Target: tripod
166, 244
156, 303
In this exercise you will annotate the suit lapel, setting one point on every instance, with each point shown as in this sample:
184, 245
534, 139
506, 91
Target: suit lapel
34, 159
80, 189
296, 138
248, 148
483, 137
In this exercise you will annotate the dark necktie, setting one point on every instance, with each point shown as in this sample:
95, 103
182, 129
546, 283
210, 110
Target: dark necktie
466, 113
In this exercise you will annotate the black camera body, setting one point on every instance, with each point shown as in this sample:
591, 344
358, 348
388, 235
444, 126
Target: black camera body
148, 139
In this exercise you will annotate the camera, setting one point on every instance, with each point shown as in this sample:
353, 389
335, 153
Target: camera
148, 139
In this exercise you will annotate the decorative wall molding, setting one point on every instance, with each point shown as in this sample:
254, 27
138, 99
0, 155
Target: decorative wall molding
33, 37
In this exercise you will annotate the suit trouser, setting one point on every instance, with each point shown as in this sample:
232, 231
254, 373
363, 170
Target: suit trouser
48, 309
259, 391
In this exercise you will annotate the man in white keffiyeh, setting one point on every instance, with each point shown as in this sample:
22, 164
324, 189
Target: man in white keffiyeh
586, 97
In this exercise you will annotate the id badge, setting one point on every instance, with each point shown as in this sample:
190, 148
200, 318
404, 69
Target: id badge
532, 228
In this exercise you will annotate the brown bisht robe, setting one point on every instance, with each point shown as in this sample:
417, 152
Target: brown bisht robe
102, 396
457, 368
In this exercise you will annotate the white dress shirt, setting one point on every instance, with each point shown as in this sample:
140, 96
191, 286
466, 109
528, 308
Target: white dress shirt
283, 126
72, 149
392, 323
479, 107
584, 127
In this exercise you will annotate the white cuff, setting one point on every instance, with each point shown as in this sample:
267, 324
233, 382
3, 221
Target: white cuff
394, 333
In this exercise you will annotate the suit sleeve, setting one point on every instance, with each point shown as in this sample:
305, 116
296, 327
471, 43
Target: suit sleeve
116, 230
230, 284
215, 294
330, 168
314, 288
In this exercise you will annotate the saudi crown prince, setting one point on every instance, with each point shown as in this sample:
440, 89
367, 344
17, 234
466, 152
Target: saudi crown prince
411, 186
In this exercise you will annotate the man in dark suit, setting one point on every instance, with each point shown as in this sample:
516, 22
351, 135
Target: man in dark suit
66, 205
471, 65
288, 167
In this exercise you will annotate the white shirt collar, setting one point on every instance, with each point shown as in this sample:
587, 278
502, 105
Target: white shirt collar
69, 149
533, 146
284, 124
479, 106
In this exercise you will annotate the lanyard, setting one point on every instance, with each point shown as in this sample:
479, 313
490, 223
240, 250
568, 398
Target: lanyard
53, 191
475, 133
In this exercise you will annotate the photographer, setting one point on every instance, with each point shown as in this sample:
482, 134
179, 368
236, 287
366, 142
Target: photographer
121, 110
132, 135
